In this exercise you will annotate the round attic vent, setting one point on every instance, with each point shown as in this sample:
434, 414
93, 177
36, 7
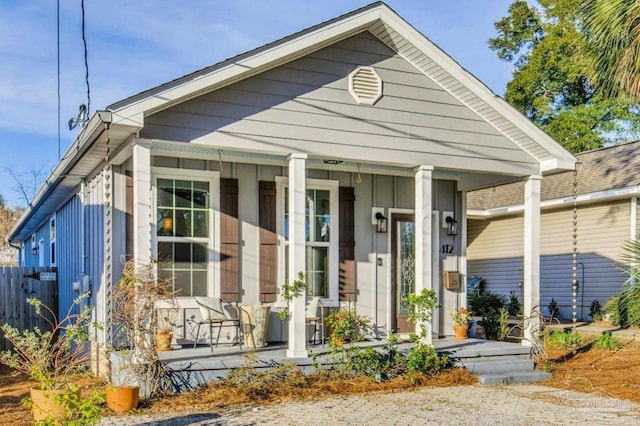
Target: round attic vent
365, 85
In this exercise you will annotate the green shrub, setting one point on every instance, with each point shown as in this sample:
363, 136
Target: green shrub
612, 309
513, 307
624, 308
424, 359
563, 339
607, 341
483, 304
595, 311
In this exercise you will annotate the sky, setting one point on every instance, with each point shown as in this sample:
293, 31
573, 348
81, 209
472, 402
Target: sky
136, 45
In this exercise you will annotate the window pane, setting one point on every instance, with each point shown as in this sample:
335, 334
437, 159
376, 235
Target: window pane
199, 256
182, 223
182, 283
201, 224
165, 252
317, 263
165, 193
183, 193
164, 226
199, 283
201, 195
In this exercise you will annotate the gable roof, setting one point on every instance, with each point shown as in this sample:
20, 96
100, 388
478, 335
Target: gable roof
381, 21
605, 169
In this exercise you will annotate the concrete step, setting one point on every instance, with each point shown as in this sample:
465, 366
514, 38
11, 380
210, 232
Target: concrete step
513, 378
491, 351
501, 364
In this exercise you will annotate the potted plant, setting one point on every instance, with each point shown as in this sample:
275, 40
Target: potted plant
134, 360
52, 355
461, 319
345, 325
164, 330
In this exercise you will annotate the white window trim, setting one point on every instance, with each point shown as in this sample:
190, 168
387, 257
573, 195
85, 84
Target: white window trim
213, 242
41, 259
52, 241
333, 299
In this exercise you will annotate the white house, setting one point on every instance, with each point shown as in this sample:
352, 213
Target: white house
284, 159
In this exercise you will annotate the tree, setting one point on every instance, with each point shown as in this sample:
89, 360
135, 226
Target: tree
612, 33
8, 218
26, 182
551, 83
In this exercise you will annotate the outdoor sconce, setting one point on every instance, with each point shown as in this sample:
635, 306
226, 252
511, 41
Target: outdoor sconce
381, 223
452, 226
167, 224
34, 250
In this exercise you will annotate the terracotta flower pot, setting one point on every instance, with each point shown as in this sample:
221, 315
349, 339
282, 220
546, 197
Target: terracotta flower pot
45, 405
163, 341
122, 398
460, 331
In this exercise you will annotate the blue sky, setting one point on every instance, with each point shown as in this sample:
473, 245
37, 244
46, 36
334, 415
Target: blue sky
136, 45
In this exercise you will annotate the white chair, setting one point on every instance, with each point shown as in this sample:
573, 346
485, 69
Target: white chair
311, 317
216, 312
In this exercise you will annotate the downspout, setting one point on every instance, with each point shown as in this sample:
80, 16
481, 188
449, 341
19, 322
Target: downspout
83, 239
375, 261
634, 231
17, 247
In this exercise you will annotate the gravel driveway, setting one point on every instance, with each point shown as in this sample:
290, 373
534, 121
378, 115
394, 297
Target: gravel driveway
456, 405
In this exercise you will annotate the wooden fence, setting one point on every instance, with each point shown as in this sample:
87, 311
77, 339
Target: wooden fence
16, 287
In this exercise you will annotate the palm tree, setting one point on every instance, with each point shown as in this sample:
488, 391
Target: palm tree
612, 32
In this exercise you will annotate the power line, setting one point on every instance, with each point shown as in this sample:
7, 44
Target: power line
58, 39
86, 61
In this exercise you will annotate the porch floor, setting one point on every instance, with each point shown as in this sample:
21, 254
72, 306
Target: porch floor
192, 367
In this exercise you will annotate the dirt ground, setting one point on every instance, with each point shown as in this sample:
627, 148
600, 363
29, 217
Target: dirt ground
616, 373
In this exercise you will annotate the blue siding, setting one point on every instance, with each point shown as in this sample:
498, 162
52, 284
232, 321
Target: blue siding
94, 237
68, 251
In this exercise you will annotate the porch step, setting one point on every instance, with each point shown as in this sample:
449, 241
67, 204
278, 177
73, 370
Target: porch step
497, 364
513, 378
494, 362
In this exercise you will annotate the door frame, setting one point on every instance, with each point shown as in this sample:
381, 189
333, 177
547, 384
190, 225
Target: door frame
391, 321
435, 265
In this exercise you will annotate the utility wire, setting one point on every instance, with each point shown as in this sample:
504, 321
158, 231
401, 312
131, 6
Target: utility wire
86, 62
58, 38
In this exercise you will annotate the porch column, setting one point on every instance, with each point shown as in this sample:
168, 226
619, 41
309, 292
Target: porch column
531, 261
423, 210
297, 253
142, 226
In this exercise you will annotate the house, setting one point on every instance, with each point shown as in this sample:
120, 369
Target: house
606, 217
344, 151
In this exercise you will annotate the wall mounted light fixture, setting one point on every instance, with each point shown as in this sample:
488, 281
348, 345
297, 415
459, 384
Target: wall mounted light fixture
452, 226
35, 249
381, 223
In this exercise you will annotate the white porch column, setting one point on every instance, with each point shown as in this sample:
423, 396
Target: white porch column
142, 226
297, 253
531, 261
424, 254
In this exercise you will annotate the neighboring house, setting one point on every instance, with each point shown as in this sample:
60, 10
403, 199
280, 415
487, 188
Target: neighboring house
607, 203
230, 174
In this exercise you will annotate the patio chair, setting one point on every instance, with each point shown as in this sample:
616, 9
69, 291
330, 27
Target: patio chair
311, 317
215, 312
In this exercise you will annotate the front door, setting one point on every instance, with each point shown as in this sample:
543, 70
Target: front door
403, 269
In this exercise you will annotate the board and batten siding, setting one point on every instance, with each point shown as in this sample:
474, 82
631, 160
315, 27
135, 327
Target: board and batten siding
94, 241
495, 252
68, 251
305, 106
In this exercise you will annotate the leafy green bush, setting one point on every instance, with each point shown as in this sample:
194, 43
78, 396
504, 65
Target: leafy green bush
623, 309
595, 310
483, 304
424, 359
564, 340
513, 307
607, 341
